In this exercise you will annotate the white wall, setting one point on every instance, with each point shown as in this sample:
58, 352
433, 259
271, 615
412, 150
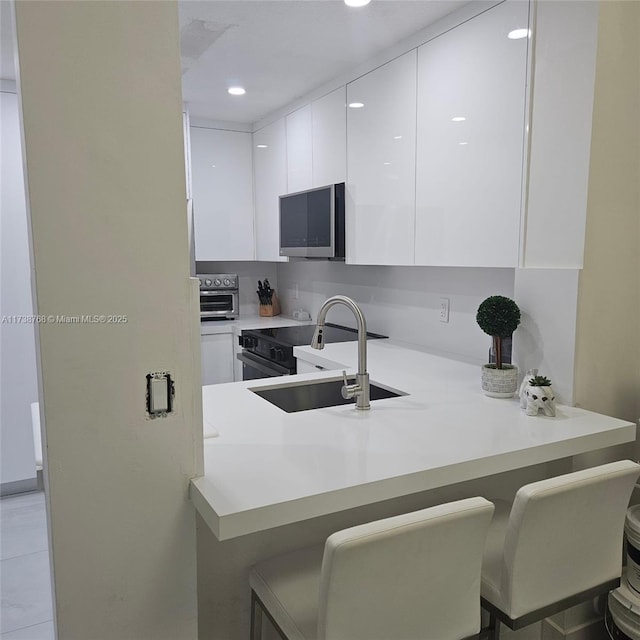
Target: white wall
401, 302
101, 107
18, 377
560, 111
546, 337
608, 316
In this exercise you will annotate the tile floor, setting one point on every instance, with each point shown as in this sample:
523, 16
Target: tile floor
25, 586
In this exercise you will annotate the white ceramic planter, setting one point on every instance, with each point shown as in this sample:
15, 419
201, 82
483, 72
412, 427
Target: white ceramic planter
499, 383
534, 399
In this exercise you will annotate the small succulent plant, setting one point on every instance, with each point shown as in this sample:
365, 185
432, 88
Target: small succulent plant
539, 381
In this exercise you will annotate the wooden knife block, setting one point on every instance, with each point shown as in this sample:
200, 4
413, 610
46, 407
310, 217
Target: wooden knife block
273, 309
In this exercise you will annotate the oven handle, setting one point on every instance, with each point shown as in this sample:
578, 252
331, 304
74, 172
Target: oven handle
272, 369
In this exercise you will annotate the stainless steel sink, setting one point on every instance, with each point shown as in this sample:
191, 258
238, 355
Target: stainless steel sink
303, 396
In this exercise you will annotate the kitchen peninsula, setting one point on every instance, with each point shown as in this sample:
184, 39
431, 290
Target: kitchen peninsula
275, 481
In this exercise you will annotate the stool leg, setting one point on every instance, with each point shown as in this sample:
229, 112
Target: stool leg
256, 618
494, 627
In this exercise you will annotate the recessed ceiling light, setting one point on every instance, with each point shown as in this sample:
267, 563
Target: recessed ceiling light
261, 146
397, 137
458, 119
356, 3
236, 91
386, 163
516, 34
356, 105
463, 143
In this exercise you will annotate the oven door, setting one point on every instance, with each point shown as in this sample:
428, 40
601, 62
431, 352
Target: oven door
254, 367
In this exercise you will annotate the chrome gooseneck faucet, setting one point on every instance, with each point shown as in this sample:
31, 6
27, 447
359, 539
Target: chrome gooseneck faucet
359, 390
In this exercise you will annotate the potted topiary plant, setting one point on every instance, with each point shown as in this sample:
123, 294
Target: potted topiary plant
499, 317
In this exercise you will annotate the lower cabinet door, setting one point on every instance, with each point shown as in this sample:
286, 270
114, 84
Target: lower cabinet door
217, 358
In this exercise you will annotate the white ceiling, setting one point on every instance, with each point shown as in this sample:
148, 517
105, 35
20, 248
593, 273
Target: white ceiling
279, 50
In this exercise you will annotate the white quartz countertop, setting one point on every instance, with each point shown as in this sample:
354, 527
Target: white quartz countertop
268, 468
210, 327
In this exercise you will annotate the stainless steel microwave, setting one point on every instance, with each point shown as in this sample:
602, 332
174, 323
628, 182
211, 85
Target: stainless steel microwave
312, 223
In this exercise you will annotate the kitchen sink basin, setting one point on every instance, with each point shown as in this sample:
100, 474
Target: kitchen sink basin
303, 396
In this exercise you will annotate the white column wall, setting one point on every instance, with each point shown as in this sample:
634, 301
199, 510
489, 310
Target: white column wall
101, 107
546, 337
608, 315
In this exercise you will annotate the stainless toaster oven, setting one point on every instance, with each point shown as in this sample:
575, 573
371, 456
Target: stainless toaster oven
218, 296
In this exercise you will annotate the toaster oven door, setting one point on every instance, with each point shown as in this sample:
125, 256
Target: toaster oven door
218, 304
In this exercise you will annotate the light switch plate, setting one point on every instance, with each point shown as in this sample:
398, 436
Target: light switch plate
444, 309
160, 393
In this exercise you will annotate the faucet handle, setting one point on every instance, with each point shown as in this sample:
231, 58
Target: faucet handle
349, 390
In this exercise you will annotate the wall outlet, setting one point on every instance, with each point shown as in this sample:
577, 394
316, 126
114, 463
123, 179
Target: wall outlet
444, 309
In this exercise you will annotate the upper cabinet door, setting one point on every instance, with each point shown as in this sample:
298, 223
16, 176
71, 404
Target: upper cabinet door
298, 126
329, 123
222, 187
381, 138
270, 176
471, 111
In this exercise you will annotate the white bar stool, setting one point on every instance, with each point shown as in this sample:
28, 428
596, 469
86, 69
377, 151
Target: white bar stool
411, 576
559, 544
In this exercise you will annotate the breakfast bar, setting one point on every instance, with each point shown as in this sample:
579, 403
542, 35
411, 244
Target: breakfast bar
268, 468
276, 481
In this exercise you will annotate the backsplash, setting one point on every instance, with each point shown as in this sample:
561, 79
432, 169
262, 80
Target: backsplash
401, 302
404, 303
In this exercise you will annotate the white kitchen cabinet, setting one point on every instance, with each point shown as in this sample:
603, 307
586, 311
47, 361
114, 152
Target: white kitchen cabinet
381, 139
222, 188
329, 138
317, 143
298, 125
471, 110
237, 364
270, 180
564, 78
217, 358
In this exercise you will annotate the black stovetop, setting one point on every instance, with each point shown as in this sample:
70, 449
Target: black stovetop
301, 335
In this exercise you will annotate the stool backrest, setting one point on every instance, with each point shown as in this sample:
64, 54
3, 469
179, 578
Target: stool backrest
564, 536
411, 576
